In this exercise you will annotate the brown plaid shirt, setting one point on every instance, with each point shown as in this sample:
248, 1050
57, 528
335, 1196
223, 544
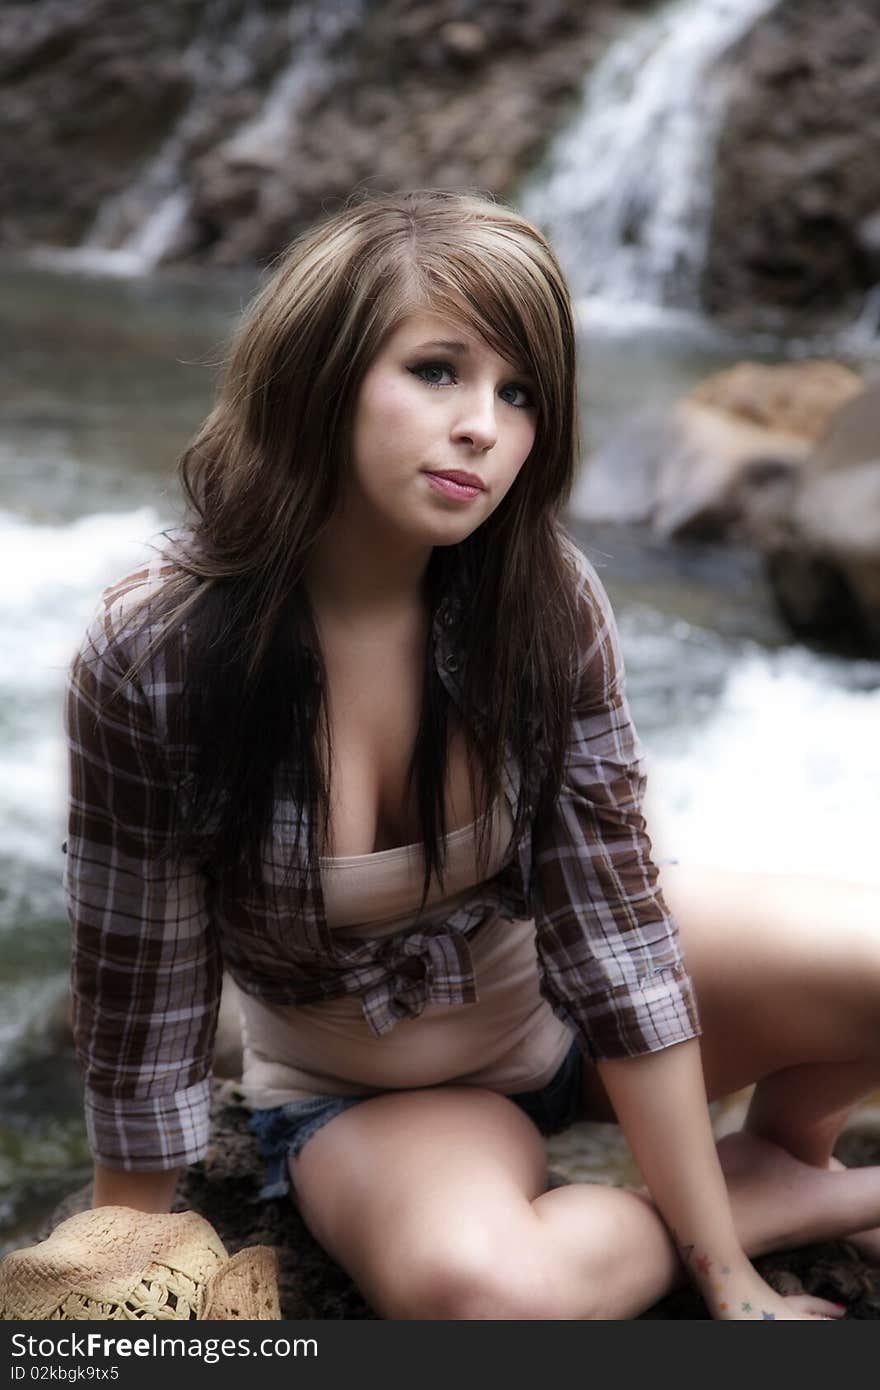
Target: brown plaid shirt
150, 945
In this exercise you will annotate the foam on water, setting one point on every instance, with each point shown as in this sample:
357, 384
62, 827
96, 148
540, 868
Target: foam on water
781, 777
51, 580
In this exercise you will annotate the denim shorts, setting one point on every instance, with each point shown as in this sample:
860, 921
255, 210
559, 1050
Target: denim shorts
284, 1129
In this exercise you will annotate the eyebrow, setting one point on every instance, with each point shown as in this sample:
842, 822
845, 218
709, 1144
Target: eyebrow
464, 350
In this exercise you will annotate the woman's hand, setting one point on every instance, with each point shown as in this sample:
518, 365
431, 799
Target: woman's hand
756, 1301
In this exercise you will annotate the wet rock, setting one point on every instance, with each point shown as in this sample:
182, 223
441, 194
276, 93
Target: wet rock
722, 472
263, 117
797, 398
724, 463
744, 436
823, 561
782, 458
690, 473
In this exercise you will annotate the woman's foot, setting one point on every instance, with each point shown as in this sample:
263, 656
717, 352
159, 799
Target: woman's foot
790, 1203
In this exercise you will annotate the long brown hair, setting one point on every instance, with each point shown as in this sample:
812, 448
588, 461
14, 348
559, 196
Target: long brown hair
262, 477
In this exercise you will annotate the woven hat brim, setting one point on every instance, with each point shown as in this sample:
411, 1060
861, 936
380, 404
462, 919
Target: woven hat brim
114, 1262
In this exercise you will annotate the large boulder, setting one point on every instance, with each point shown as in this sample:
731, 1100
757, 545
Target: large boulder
784, 458
823, 561
724, 462
791, 398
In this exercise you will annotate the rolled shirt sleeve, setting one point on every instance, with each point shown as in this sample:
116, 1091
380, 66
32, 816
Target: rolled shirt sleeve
608, 947
146, 969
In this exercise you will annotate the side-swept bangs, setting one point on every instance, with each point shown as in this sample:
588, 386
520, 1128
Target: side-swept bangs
498, 286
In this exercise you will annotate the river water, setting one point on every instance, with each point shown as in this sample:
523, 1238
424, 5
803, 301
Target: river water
107, 381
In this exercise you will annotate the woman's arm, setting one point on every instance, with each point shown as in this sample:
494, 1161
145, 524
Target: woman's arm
608, 945
145, 968
611, 966
660, 1101
113, 1187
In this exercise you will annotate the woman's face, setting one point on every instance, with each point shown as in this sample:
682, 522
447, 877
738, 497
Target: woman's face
437, 398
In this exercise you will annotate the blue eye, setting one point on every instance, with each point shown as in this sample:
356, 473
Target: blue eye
528, 403
422, 367
431, 367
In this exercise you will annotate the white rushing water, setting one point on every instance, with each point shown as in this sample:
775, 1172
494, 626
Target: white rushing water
52, 576
780, 776
625, 194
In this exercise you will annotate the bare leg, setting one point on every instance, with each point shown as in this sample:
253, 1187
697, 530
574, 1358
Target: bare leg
783, 1109
803, 1108
867, 1242
797, 1005
435, 1203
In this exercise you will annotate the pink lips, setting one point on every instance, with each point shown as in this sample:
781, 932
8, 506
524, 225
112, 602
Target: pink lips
448, 487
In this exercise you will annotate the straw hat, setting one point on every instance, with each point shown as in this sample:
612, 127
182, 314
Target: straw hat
113, 1262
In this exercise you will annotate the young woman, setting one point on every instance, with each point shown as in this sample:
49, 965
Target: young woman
360, 734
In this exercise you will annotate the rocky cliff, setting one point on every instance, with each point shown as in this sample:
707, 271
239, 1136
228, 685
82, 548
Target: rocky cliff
211, 131
267, 112
795, 241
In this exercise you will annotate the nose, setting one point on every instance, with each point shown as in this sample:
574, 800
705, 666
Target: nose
476, 423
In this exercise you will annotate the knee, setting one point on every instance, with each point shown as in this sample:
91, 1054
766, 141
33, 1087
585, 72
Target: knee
475, 1283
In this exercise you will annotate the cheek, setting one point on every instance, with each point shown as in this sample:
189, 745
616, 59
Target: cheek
520, 453
386, 405
525, 443
529, 435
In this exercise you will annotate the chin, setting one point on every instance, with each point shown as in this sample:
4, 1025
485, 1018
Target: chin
461, 535
455, 529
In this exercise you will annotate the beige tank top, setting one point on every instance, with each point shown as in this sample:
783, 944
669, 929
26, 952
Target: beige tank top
509, 1039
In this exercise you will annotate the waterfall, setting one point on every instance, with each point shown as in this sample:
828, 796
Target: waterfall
314, 29
135, 229
625, 195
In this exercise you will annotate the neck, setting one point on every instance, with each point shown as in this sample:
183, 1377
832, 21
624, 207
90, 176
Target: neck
356, 577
